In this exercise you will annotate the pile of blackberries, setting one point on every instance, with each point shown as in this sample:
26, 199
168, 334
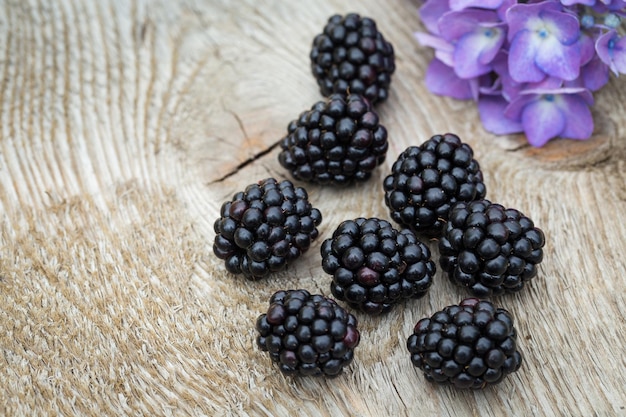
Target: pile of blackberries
434, 191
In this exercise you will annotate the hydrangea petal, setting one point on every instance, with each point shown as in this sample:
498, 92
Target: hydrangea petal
443, 49
563, 26
542, 120
611, 49
510, 87
579, 119
558, 60
609, 5
445, 57
491, 88
496, 36
583, 2
595, 74
504, 7
441, 80
617, 5
548, 83
491, 109
619, 58
521, 15
453, 25
464, 4
475, 51
602, 46
582, 92
431, 11
521, 60
516, 107
432, 41
587, 49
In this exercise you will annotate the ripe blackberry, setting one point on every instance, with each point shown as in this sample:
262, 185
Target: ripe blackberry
351, 55
375, 266
337, 141
490, 249
264, 228
427, 180
470, 345
307, 334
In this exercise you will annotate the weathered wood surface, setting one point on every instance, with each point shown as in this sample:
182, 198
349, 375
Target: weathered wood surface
123, 127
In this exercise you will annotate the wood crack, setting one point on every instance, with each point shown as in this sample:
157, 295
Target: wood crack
247, 162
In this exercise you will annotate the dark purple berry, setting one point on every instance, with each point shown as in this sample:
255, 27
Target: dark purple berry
307, 334
374, 266
426, 180
498, 251
337, 141
351, 56
469, 346
264, 228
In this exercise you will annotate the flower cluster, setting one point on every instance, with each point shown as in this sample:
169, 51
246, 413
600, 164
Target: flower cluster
531, 66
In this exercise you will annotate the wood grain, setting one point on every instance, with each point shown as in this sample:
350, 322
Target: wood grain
123, 128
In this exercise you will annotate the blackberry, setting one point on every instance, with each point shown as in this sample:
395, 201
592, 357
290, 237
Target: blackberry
337, 141
351, 55
490, 249
375, 266
307, 334
264, 228
427, 180
470, 345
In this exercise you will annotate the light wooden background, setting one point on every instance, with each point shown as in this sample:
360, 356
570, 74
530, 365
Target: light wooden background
124, 125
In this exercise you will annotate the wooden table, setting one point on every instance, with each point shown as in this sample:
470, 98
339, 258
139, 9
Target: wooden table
126, 124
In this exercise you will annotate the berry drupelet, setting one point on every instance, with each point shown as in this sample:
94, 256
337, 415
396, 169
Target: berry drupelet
264, 228
351, 55
337, 141
427, 180
470, 345
374, 266
307, 334
490, 249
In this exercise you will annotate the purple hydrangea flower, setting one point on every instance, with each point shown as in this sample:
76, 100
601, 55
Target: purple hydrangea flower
477, 36
530, 65
612, 51
543, 42
545, 114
